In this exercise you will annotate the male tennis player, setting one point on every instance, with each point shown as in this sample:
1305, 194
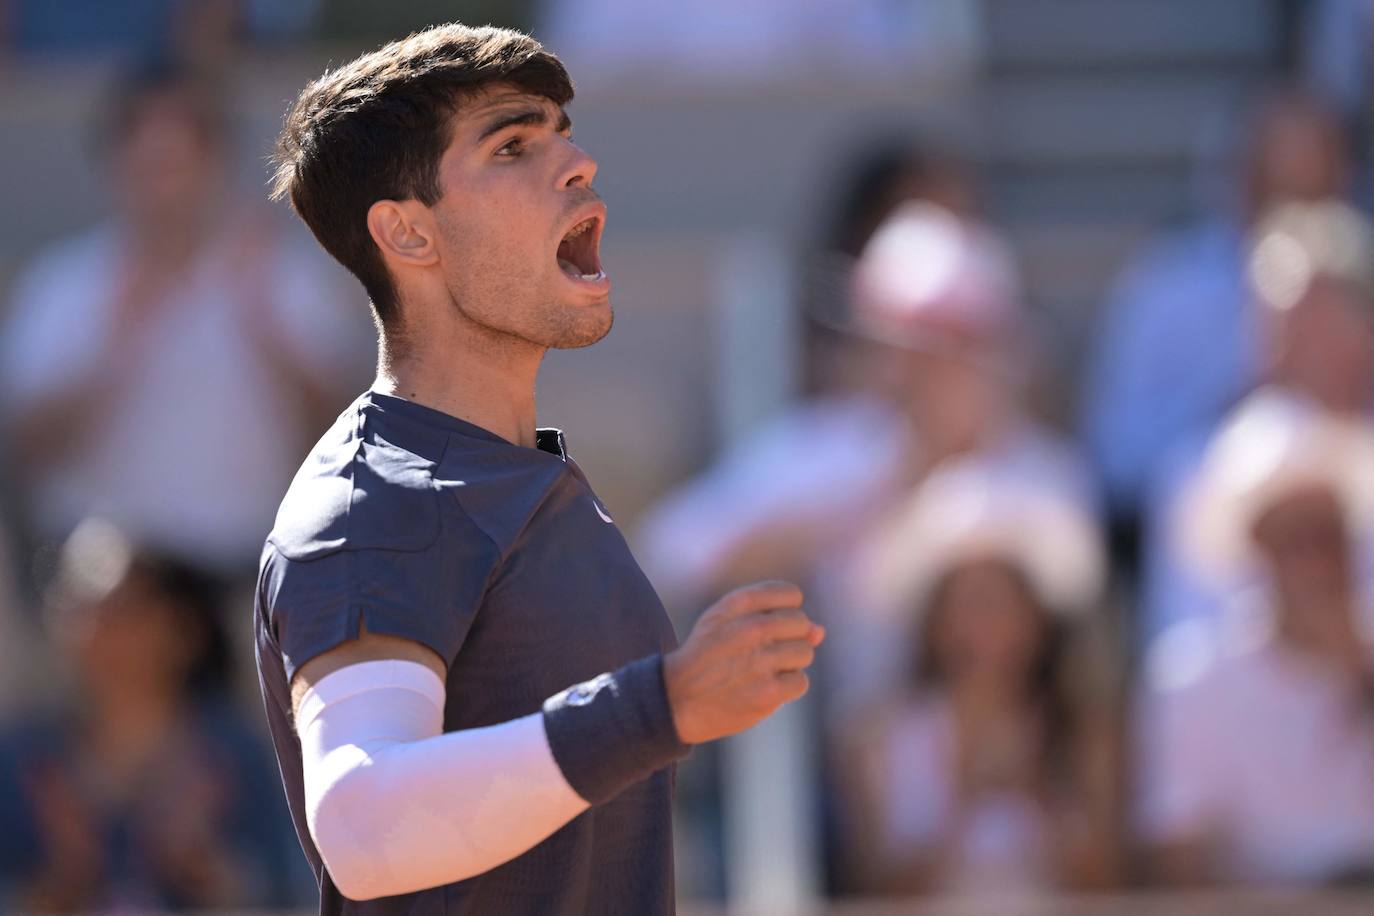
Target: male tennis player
474, 693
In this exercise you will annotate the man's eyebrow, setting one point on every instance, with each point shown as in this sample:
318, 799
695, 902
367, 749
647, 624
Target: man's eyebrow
524, 118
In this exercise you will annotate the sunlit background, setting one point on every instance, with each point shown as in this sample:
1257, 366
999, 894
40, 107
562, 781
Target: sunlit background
1035, 338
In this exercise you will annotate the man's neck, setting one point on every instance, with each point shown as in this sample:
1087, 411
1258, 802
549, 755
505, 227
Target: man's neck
476, 377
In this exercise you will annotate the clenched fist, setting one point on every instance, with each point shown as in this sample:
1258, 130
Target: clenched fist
744, 658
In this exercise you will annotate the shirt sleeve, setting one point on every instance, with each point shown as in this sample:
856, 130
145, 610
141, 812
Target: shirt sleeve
425, 592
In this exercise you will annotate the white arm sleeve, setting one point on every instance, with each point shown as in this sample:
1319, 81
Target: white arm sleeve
396, 806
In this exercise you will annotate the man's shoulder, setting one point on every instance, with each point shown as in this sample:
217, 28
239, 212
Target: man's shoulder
358, 489
379, 480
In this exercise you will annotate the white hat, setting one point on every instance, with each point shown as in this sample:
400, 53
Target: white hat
926, 270
1297, 242
970, 510
1273, 445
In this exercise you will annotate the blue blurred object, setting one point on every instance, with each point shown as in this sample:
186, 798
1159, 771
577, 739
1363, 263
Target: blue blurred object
47, 26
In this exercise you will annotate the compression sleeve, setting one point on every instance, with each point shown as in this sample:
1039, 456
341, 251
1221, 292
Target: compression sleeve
395, 806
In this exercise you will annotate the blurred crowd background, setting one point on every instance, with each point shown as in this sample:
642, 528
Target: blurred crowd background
1035, 338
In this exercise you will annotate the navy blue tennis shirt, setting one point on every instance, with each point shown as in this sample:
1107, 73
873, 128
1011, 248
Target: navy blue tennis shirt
410, 522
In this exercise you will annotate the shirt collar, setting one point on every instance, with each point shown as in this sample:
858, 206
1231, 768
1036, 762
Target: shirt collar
546, 439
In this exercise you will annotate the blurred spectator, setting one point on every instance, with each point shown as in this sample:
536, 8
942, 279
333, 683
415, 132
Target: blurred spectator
934, 375
834, 358
945, 294
1257, 743
900, 171
1312, 275
1179, 344
991, 768
931, 374
148, 792
767, 508
165, 368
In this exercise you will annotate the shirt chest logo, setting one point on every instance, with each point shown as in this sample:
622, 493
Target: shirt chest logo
602, 512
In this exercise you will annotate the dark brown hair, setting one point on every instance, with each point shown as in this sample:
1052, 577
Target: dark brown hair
376, 128
1049, 687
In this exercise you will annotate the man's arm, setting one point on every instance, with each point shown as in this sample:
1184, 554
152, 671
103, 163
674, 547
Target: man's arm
368, 647
394, 805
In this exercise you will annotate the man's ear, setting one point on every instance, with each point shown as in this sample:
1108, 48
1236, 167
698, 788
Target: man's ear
404, 231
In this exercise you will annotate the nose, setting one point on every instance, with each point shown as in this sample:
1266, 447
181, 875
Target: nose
580, 170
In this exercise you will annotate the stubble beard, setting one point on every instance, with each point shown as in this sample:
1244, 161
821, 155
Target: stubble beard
552, 327
541, 319
575, 327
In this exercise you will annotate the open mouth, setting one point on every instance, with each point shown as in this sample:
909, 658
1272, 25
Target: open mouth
578, 255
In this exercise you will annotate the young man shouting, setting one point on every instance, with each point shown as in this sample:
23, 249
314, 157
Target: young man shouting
474, 692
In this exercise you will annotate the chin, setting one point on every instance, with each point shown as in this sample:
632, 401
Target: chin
584, 324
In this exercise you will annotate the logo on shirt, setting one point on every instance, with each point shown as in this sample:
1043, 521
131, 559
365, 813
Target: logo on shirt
602, 512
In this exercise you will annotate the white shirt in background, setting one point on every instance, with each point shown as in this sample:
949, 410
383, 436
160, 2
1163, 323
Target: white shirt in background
1253, 742
197, 451
1003, 849
825, 466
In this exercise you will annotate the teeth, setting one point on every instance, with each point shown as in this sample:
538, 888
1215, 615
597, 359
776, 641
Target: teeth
568, 267
571, 270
